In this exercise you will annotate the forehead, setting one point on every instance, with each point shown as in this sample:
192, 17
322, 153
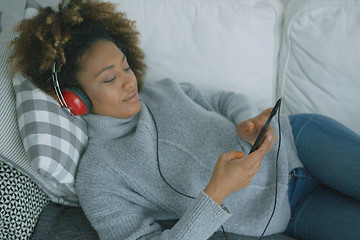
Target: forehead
101, 53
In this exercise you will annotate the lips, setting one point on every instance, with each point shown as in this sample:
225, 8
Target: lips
132, 97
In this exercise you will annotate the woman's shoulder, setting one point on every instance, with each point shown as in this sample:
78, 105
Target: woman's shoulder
91, 158
162, 83
168, 86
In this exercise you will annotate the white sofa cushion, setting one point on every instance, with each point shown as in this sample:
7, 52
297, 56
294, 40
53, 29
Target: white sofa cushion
53, 140
320, 56
215, 44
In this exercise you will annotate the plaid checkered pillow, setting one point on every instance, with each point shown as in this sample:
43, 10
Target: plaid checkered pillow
53, 139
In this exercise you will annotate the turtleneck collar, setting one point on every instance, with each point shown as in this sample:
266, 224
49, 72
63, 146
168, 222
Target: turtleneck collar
111, 127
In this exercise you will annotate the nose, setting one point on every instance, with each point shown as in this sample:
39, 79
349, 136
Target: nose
129, 82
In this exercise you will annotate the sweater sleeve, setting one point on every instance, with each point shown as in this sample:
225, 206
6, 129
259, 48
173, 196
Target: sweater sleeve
234, 106
110, 207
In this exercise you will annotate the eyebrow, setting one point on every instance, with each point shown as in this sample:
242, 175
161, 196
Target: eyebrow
111, 66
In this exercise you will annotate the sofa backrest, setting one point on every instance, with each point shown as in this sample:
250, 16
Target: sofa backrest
317, 69
234, 45
320, 59
229, 45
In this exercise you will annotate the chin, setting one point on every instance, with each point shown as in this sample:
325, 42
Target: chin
134, 109
138, 107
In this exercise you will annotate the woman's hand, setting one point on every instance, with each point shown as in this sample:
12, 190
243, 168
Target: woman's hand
250, 129
234, 172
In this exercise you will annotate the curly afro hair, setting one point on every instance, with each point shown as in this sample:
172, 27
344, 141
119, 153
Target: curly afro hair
63, 36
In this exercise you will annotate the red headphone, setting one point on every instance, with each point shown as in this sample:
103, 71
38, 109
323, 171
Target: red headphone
73, 99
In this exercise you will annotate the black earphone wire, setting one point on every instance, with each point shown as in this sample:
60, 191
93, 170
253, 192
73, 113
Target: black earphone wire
158, 163
188, 196
276, 177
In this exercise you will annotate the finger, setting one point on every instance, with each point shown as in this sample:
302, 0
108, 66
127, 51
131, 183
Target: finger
232, 155
249, 126
256, 157
246, 128
247, 131
268, 111
256, 166
237, 155
251, 163
269, 131
262, 118
265, 114
266, 144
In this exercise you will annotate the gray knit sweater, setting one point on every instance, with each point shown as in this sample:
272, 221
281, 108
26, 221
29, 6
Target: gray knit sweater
123, 194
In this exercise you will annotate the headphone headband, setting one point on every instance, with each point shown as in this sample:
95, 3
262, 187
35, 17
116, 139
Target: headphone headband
57, 87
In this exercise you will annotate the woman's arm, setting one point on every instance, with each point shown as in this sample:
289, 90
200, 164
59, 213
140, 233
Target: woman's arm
234, 106
118, 212
233, 171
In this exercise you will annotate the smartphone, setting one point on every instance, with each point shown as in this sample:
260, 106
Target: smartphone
266, 125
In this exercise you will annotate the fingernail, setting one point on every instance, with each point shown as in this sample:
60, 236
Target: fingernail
250, 125
269, 138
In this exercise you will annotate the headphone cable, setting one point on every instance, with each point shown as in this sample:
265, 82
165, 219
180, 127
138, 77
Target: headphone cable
158, 163
276, 177
188, 196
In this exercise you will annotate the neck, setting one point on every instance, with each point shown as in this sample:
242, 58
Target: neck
110, 127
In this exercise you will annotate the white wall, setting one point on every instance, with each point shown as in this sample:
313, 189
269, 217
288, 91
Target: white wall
17, 6
51, 3
285, 2
54, 3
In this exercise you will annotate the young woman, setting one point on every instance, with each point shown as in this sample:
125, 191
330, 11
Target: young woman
167, 151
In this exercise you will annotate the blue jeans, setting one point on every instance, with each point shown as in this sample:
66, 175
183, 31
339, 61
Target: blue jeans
325, 196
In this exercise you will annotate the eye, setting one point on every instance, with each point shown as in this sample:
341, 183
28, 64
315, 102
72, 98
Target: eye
127, 69
107, 81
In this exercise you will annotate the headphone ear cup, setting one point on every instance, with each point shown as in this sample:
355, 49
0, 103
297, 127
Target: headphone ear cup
77, 101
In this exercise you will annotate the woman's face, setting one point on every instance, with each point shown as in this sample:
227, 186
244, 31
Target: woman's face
108, 81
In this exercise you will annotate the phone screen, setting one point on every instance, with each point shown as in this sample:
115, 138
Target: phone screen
266, 125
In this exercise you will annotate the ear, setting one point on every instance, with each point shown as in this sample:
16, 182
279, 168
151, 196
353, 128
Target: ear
77, 101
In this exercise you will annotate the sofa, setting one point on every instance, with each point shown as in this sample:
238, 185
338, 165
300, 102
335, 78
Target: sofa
305, 51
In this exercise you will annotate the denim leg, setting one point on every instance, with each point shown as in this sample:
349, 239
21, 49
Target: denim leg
329, 151
326, 214
301, 185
